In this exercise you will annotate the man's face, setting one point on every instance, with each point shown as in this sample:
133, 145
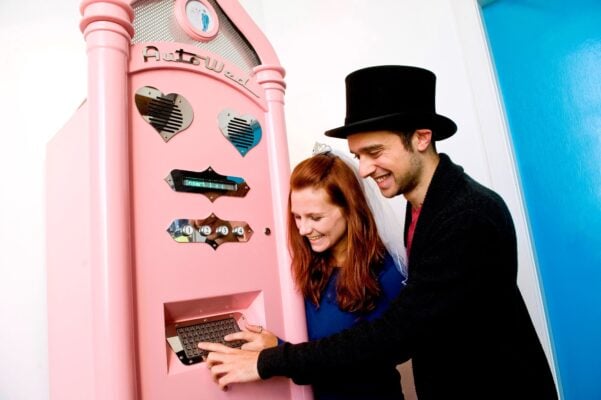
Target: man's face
383, 157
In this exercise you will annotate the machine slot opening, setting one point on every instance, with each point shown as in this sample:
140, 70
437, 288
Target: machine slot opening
207, 319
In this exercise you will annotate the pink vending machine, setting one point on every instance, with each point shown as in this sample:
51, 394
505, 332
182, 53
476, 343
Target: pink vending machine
167, 193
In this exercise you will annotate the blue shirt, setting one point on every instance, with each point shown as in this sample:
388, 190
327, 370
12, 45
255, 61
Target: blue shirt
328, 319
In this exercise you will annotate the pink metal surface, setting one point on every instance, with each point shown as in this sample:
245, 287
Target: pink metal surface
271, 78
107, 30
123, 279
245, 276
70, 353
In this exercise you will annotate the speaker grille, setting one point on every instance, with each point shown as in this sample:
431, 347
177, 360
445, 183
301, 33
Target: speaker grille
241, 134
165, 115
155, 21
168, 114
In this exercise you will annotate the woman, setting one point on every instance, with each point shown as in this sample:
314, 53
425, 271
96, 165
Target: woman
341, 266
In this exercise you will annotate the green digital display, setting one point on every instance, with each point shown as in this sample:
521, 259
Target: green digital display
208, 184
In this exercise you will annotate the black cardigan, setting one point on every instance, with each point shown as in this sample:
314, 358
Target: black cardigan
461, 317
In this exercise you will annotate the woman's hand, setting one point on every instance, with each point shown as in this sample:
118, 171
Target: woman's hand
255, 336
229, 365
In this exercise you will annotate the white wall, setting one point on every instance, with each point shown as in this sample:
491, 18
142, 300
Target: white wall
42, 76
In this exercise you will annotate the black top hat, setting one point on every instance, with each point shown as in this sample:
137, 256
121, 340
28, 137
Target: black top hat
392, 97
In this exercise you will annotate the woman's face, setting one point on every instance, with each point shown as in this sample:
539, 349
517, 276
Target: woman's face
320, 221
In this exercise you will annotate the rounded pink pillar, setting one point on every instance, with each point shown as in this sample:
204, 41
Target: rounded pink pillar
107, 28
271, 78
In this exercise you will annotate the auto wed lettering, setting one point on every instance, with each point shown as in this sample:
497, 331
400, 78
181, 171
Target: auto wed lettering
182, 56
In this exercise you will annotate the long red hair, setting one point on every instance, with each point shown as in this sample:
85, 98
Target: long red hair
357, 285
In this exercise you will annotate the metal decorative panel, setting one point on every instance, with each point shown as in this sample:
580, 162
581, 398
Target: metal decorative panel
155, 21
168, 114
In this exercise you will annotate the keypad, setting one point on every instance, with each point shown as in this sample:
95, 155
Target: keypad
209, 331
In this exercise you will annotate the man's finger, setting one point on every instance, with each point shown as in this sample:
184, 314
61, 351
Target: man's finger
212, 361
218, 347
231, 365
224, 382
220, 369
222, 375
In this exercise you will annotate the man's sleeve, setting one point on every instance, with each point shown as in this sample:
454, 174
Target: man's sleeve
440, 285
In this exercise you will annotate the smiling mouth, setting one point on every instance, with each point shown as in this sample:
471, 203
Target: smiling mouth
314, 238
381, 178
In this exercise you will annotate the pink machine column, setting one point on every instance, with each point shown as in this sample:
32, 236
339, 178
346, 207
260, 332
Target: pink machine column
107, 30
271, 78
166, 204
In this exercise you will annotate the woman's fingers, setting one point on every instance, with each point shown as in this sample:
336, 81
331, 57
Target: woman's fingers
246, 336
254, 328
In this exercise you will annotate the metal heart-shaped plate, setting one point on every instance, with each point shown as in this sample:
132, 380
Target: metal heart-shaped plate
244, 132
168, 114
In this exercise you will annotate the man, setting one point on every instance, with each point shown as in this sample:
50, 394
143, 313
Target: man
461, 317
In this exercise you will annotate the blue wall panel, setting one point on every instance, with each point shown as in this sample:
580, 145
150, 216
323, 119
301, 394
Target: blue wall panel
547, 54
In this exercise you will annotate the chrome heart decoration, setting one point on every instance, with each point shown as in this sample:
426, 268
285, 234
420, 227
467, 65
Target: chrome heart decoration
244, 132
168, 114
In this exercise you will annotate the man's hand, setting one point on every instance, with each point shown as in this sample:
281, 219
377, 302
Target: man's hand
229, 365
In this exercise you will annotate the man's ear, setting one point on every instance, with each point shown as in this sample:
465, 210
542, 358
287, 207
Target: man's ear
423, 138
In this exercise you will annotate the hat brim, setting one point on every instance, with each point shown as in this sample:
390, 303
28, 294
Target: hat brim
441, 126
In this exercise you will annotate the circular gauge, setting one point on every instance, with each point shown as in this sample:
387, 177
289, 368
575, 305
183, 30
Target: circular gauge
197, 18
